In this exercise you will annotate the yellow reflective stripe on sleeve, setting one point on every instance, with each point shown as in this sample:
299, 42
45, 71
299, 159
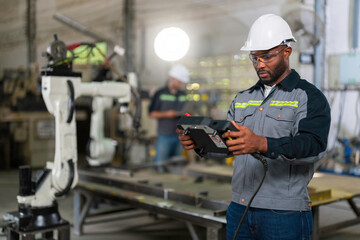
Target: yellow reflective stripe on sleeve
182, 98
249, 103
167, 97
284, 103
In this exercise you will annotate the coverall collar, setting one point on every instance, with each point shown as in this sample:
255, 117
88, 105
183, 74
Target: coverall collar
288, 83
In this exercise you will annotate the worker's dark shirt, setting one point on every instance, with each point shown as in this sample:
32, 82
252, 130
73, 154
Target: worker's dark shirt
295, 119
163, 100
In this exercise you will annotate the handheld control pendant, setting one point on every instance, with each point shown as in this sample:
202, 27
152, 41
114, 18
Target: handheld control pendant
207, 135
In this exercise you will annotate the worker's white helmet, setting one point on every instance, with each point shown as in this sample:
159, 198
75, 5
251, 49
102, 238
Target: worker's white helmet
268, 31
180, 72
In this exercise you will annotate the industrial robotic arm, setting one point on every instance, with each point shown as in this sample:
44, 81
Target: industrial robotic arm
37, 197
59, 93
100, 150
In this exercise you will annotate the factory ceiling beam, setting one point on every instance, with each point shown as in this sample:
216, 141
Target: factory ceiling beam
81, 28
157, 12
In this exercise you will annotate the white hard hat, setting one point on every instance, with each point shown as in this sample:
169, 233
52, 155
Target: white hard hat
268, 31
180, 72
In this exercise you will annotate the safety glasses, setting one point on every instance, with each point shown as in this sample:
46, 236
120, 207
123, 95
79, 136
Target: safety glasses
265, 58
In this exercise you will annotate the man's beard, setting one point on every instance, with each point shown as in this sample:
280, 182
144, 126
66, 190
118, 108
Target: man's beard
273, 78
278, 71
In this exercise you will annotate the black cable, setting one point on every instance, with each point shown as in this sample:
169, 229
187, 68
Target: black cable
71, 103
262, 159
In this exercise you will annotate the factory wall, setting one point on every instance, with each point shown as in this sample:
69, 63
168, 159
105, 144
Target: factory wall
222, 34
104, 18
344, 104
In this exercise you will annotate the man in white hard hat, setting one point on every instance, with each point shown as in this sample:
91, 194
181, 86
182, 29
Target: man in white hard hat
287, 120
166, 106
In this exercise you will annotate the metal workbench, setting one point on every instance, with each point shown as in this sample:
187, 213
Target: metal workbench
198, 194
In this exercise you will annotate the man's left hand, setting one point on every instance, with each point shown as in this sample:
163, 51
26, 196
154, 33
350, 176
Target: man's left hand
245, 141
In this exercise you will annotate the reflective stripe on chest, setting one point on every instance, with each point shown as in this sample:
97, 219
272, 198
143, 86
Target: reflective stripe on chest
284, 103
249, 103
169, 97
272, 103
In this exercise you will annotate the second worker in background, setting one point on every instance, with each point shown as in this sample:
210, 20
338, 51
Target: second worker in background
167, 106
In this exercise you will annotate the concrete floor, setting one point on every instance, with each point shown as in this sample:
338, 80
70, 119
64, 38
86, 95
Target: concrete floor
139, 225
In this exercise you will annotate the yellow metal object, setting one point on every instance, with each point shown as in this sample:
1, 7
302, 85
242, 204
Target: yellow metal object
204, 97
185, 154
319, 194
152, 152
89, 55
230, 160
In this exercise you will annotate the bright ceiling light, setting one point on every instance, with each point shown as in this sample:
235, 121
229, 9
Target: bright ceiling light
171, 44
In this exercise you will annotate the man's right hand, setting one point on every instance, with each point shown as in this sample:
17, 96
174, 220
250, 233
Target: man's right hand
185, 140
171, 114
